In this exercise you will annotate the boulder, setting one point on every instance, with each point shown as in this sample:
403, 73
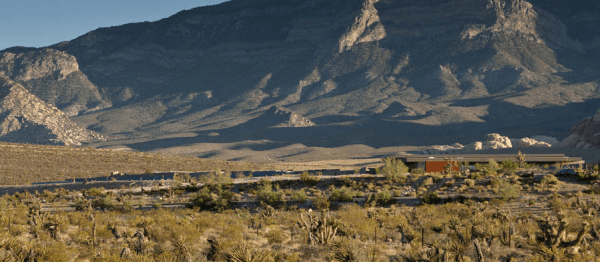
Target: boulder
530, 142
547, 139
585, 134
496, 141
473, 146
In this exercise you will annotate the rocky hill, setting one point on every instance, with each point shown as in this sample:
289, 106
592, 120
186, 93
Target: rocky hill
28, 119
379, 73
584, 135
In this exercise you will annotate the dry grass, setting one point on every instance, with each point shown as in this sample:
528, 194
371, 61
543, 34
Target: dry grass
23, 164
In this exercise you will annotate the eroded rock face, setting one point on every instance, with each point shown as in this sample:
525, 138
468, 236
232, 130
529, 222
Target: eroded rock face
294, 119
584, 135
28, 119
366, 28
54, 77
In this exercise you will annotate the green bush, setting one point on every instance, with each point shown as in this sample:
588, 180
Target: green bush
394, 170
470, 182
489, 169
594, 189
308, 179
94, 191
509, 190
127, 206
418, 171
550, 181
299, 196
384, 197
341, 195
275, 236
494, 182
225, 199
104, 202
430, 198
474, 175
202, 199
266, 196
509, 167
320, 203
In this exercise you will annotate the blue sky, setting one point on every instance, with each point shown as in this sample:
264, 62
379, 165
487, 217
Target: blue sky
38, 23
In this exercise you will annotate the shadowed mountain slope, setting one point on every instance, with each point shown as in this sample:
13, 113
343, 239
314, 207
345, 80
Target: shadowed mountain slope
363, 71
28, 119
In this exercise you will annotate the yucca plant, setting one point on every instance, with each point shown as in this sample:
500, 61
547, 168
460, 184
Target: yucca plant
343, 251
319, 230
244, 253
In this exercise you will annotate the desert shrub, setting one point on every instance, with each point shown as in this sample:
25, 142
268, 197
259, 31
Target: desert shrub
470, 182
225, 199
430, 198
384, 197
321, 203
341, 195
308, 179
344, 250
299, 196
82, 204
418, 171
127, 206
494, 182
509, 167
275, 236
427, 181
474, 175
594, 189
550, 181
245, 252
266, 196
94, 191
394, 170
509, 190
214, 180
202, 199
105, 202
489, 169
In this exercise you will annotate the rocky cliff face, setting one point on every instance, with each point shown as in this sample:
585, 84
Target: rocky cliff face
584, 135
387, 71
28, 119
53, 76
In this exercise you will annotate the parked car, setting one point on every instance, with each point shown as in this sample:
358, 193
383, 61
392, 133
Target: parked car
566, 172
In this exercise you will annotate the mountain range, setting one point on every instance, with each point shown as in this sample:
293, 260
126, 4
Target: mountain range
324, 73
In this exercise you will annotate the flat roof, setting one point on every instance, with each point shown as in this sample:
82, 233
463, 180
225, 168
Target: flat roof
481, 158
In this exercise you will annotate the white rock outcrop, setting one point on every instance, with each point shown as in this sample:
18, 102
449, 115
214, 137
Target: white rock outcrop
473, 147
529, 142
493, 141
496, 141
444, 149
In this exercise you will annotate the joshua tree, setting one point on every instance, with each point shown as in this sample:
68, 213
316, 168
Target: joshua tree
318, 229
520, 157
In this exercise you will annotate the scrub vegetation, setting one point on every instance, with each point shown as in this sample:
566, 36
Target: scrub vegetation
520, 215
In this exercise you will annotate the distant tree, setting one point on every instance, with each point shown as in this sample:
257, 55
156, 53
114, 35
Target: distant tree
394, 170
